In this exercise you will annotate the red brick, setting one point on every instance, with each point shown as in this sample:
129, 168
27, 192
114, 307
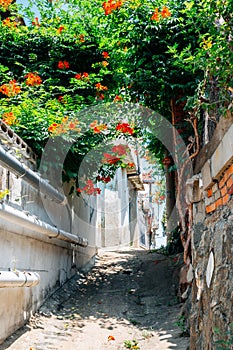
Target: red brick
229, 182
218, 203
225, 199
209, 192
210, 208
224, 191
229, 172
230, 190
221, 182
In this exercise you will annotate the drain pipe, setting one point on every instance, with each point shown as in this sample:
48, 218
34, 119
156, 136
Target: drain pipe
16, 167
10, 279
33, 223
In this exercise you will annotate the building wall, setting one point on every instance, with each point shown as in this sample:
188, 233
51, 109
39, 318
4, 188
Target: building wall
24, 249
117, 213
211, 316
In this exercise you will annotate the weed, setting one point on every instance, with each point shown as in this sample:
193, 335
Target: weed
146, 335
131, 344
226, 343
181, 324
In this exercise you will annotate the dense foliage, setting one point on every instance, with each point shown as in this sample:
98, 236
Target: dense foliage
75, 54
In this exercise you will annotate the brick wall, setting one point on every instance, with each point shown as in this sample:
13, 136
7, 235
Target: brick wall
220, 192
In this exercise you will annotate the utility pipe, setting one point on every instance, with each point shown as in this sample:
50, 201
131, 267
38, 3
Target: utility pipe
33, 223
9, 279
16, 167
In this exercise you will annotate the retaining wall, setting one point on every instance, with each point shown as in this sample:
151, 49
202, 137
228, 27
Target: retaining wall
211, 315
24, 249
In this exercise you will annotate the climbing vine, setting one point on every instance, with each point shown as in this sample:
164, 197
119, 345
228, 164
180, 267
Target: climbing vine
70, 55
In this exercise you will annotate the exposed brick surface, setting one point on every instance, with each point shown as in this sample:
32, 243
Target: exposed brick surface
219, 194
222, 182
229, 172
225, 199
224, 191
210, 208
229, 182
230, 190
218, 203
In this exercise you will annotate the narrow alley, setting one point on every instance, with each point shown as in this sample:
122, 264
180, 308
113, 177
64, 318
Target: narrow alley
127, 300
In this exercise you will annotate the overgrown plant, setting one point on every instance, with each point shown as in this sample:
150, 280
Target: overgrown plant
78, 54
131, 344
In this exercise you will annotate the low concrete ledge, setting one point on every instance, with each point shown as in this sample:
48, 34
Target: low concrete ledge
220, 160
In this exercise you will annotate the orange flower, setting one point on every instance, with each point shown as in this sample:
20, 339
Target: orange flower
78, 76
5, 3
105, 63
64, 127
89, 189
111, 6
155, 16
125, 128
36, 22
118, 98
53, 127
10, 89
100, 96
110, 159
97, 128
82, 38
120, 150
8, 23
165, 12
63, 65
33, 79
105, 54
104, 179
83, 76
60, 99
9, 118
4, 89
130, 165
111, 337
93, 124
60, 29
72, 125
101, 87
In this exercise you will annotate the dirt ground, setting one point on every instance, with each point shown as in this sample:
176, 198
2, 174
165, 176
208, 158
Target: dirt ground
127, 301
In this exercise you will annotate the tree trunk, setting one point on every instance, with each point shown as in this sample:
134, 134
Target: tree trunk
170, 201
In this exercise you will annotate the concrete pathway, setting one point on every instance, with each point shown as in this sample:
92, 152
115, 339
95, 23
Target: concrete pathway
127, 301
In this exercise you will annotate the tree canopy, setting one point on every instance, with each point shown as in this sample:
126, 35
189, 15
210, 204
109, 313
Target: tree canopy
76, 54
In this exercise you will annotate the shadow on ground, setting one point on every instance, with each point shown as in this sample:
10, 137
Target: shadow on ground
128, 295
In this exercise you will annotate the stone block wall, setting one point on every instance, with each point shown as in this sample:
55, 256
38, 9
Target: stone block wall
211, 315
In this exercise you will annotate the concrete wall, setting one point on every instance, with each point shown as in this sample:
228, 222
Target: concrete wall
84, 222
117, 213
211, 315
24, 249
